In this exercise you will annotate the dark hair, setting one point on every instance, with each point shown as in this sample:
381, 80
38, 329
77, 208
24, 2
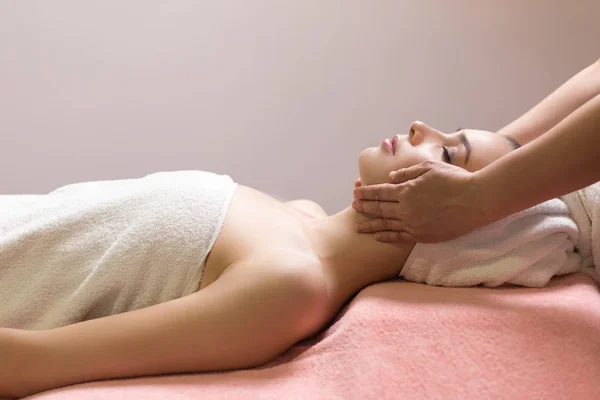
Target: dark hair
513, 142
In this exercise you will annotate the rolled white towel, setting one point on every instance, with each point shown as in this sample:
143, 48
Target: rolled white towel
527, 249
584, 206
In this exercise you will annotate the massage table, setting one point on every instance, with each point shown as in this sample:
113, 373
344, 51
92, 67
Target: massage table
402, 340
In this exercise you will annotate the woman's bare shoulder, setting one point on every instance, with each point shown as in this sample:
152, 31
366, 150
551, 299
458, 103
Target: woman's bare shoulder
298, 275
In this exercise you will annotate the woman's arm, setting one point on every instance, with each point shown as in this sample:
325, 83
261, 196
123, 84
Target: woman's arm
245, 318
563, 101
561, 161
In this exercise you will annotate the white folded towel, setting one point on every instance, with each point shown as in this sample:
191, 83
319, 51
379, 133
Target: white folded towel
584, 205
94, 249
526, 249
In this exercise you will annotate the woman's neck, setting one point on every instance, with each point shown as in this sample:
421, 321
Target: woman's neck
354, 260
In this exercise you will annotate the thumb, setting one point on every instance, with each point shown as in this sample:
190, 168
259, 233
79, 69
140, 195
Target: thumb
407, 174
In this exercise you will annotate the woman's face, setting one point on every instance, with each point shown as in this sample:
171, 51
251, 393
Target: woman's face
468, 148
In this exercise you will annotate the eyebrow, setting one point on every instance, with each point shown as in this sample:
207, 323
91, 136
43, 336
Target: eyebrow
467, 144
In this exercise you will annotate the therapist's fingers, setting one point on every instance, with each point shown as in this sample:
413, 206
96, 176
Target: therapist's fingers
380, 225
383, 191
410, 173
384, 209
395, 237
357, 183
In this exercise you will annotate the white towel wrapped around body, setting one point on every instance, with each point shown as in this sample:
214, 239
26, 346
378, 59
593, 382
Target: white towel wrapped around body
526, 249
94, 249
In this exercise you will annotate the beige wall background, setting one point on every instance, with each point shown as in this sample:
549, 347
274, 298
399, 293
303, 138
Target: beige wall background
281, 95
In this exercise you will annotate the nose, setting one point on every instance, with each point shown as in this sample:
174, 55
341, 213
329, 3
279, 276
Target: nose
420, 131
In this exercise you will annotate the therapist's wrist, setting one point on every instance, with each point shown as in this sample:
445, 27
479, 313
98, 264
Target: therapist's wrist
487, 197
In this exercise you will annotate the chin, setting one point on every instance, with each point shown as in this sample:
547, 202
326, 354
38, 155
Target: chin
367, 166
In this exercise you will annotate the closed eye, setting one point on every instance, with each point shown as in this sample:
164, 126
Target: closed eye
446, 155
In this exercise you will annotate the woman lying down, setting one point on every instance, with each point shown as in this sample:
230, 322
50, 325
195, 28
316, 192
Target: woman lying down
188, 271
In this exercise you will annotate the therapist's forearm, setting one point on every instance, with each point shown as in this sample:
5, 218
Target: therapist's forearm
571, 95
565, 159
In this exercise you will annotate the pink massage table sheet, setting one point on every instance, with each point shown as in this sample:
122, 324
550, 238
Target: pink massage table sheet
400, 340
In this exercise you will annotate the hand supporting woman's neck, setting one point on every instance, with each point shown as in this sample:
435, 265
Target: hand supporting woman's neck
352, 260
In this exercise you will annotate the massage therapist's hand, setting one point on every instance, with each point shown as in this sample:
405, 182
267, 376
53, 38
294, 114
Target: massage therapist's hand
429, 202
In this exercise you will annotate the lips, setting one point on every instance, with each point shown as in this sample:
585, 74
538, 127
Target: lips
390, 145
387, 146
